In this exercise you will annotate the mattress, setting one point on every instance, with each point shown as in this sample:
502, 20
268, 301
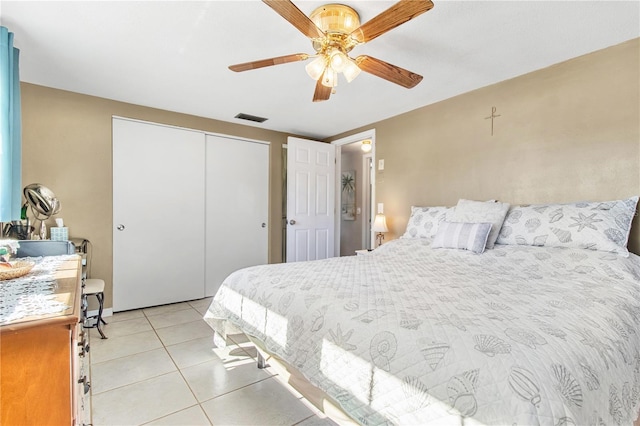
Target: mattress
411, 335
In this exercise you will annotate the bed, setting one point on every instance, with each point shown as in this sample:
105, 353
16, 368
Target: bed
411, 334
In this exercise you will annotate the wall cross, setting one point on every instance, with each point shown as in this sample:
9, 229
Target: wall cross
492, 116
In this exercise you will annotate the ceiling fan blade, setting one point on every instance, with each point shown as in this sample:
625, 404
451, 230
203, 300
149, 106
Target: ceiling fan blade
387, 71
296, 17
322, 92
396, 15
269, 62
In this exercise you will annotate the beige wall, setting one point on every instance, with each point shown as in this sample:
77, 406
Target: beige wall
565, 133
67, 147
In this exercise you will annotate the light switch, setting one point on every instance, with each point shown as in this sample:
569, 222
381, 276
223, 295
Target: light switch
380, 208
380, 164
358, 210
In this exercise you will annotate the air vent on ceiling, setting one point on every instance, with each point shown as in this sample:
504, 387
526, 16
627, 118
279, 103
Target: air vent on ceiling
243, 116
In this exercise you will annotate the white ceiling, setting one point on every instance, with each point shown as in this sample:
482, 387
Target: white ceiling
174, 55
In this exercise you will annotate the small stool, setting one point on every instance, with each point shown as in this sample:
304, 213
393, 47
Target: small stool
95, 287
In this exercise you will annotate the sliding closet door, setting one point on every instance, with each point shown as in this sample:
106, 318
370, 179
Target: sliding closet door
158, 214
237, 211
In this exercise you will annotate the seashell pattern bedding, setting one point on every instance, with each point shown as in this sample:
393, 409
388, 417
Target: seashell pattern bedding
408, 334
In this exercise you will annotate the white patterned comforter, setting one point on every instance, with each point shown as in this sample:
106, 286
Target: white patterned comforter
412, 335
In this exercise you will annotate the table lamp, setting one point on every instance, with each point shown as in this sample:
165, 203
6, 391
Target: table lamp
380, 226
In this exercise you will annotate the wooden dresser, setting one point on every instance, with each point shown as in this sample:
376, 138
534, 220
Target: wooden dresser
42, 371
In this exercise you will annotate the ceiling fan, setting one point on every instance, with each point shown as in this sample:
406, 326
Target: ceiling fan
334, 30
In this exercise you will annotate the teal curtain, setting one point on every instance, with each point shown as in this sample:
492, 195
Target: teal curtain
10, 129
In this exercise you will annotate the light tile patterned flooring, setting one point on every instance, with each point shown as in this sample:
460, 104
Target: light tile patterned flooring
159, 367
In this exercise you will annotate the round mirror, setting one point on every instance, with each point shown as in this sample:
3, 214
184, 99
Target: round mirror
42, 200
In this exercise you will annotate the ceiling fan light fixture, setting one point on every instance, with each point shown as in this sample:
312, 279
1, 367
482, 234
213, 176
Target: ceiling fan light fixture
334, 30
316, 68
351, 70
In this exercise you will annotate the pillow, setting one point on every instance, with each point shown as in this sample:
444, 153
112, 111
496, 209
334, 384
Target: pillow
601, 226
424, 221
482, 212
460, 235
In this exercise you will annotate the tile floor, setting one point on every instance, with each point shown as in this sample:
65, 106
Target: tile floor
159, 367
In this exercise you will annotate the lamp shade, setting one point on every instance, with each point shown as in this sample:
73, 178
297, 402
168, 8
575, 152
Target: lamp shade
338, 60
380, 224
329, 78
350, 70
315, 68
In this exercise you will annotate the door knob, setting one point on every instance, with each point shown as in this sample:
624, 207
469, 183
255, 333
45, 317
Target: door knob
264, 225
292, 222
120, 227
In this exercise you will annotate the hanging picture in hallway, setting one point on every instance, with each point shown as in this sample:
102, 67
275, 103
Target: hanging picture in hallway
348, 198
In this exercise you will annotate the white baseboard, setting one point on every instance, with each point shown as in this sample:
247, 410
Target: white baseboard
107, 312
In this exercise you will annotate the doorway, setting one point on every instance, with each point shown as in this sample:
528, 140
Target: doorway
355, 194
367, 222
362, 203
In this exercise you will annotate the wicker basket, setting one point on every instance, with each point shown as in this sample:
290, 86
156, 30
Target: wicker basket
18, 269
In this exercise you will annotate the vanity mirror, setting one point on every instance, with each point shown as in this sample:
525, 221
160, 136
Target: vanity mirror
43, 203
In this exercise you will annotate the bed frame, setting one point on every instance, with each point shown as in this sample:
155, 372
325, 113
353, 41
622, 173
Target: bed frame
291, 376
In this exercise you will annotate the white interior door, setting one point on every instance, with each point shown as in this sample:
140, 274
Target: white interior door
158, 214
237, 207
310, 200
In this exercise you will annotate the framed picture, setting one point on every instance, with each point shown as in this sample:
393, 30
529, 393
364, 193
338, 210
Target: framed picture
348, 195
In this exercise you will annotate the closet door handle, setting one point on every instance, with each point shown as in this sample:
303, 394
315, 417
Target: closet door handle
120, 227
86, 385
292, 222
264, 225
